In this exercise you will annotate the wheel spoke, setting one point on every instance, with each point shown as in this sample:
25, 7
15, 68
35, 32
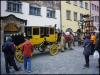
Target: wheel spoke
18, 55
54, 49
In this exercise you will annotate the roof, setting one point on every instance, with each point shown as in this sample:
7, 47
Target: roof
3, 17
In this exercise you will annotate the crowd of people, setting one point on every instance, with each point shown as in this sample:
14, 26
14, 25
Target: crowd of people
90, 44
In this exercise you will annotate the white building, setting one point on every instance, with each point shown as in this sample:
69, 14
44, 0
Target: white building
30, 13
34, 18
95, 13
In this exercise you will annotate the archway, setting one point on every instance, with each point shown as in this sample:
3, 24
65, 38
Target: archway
9, 29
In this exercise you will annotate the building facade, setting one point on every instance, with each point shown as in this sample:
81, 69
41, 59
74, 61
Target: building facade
72, 12
16, 14
95, 13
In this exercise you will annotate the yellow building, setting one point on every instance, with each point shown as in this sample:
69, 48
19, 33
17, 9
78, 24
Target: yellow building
71, 13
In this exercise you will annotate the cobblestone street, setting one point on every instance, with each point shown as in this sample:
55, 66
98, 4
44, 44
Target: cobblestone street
68, 62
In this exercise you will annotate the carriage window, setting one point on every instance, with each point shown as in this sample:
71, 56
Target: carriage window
35, 31
51, 30
46, 30
28, 31
41, 30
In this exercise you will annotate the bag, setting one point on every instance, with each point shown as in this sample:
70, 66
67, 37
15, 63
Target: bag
96, 55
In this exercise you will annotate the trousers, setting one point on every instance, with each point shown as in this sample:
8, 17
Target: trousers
10, 62
87, 60
27, 63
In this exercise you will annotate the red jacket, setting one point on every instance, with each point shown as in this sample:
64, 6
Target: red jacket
27, 49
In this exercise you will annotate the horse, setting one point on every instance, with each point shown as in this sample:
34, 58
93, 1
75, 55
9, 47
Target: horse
66, 38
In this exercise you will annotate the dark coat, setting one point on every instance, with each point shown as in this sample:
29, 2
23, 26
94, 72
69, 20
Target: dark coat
9, 50
87, 47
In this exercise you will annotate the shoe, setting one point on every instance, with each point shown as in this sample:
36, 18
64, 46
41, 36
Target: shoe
29, 71
87, 66
18, 69
8, 72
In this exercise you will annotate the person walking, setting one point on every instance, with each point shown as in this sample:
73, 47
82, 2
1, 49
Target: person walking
87, 50
27, 50
97, 47
9, 52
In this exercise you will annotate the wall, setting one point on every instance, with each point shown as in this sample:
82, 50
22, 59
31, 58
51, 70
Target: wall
71, 23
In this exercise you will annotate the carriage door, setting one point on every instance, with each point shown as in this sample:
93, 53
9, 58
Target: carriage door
28, 32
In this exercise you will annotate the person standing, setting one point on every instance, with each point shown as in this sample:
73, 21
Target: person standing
9, 52
97, 47
87, 50
27, 50
93, 40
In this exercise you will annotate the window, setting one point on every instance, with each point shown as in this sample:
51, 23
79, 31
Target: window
96, 19
92, 18
81, 16
81, 4
68, 15
75, 16
35, 10
68, 1
14, 6
86, 5
92, 6
75, 3
50, 13
51, 30
95, 7
28, 32
35, 31
44, 31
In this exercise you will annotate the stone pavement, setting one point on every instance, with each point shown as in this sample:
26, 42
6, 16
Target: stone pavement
68, 62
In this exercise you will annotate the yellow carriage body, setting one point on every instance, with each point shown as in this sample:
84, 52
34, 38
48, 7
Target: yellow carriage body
37, 36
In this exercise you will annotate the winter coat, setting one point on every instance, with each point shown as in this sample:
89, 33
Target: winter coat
9, 50
87, 47
27, 49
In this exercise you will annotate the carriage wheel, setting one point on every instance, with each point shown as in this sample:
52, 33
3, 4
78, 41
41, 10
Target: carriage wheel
18, 55
54, 49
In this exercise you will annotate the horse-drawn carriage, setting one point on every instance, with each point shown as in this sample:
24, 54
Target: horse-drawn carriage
40, 37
